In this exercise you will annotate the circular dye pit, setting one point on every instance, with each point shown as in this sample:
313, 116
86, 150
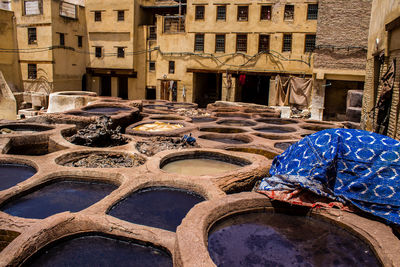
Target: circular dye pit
203, 119
316, 128
275, 130
258, 151
105, 110
266, 239
101, 160
22, 128
157, 127
160, 207
198, 167
236, 123
57, 197
276, 121
222, 130
226, 140
98, 251
13, 173
283, 145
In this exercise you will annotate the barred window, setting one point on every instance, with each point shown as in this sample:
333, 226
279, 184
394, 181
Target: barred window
32, 71
243, 13
265, 13
120, 15
309, 45
220, 43
62, 38
121, 52
199, 42
263, 43
199, 12
312, 12
287, 43
241, 43
152, 65
32, 38
171, 67
79, 41
97, 16
152, 33
221, 12
98, 51
289, 12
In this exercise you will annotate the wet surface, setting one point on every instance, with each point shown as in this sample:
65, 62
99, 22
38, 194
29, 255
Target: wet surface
161, 207
158, 127
283, 145
58, 197
23, 129
202, 119
99, 251
263, 239
152, 146
12, 174
236, 123
222, 130
226, 140
275, 130
277, 121
105, 110
199, 167
6, 237
98, 160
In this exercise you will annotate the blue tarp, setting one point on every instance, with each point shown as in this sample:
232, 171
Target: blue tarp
345, 165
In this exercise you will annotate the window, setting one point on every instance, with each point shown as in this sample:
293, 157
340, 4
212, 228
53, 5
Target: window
120, 15
309, 45
243, 12
62, 38
265, 13
241, 43
312, 11
33, 7
220, 43
263, 43
67, 10
199, 42
32, 39
120, 52
199, 12
221, 12
289, 12
152, 65
152, 33
98, 51
171, 67
97, 16
287, 43
79, 41
32, 71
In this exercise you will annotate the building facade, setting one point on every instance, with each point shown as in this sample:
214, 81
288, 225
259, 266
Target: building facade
381, 92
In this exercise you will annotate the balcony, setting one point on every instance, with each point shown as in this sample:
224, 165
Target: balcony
174, 24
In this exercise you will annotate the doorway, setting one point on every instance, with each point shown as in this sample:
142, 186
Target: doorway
123, 87
207, 88
253, 89
105, 89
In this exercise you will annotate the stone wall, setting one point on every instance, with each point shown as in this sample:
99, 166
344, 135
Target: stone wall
342, 34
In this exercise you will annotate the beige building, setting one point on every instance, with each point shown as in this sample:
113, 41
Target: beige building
221, 50
382, 88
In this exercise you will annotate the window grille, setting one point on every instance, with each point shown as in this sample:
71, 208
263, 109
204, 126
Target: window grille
312, 12
152, 66
98, 51
220, 43
199, 42
171, 67
97, 16
32, 71
309, 43
287, 43
152, 33
241, 43
32, 38
199, 12
221, 12
263, 44
121, 52
121, 15
174, 24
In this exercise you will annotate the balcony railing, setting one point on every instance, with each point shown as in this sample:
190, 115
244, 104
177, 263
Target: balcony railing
174, 24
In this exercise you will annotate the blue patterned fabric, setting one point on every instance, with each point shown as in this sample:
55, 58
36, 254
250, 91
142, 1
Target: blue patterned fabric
344, 165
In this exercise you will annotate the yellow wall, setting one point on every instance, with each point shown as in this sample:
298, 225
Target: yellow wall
8, 61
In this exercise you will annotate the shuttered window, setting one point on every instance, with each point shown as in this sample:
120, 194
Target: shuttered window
32, 7
67, 10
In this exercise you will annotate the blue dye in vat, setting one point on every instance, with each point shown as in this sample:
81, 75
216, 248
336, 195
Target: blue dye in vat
98, 251
161, 207
58, 197
12, 174
265, 239
106, 110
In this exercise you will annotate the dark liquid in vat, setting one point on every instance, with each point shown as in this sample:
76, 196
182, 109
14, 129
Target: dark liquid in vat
58, 197
266, 239
99, 251
160, 207
12, 174
106, 110
274, 130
